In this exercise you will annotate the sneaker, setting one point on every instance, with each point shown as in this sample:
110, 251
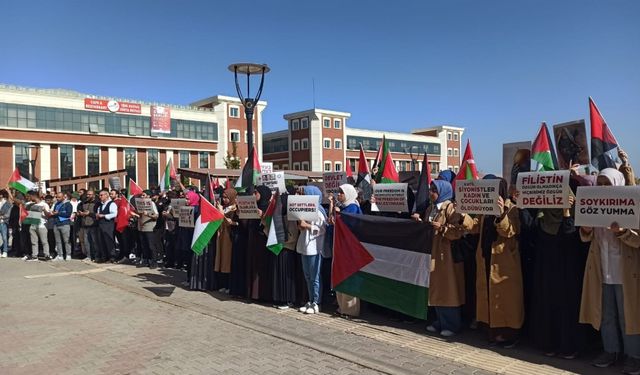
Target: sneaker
4, 255
67, 258
447, 333
631, 366
431, 329
46, 258
304, 308
605, 360
58, 258
29, 258
282, 307
315, 307
509, 344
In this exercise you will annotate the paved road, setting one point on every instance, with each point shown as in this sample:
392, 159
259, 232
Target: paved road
77, 318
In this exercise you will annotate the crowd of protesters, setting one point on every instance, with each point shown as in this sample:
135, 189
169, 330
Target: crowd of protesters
524, 273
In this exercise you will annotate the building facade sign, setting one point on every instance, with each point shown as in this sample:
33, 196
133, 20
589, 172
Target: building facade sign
112, 106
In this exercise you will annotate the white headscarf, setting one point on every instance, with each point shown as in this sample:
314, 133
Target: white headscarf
350, 195
613, 175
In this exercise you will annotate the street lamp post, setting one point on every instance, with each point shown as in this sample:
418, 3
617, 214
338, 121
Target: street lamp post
32, 159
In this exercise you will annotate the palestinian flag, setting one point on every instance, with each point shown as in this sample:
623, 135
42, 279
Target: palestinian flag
275, 222
468, 169
603, 143
250, 172
543, 152
387, 173
376, 161
20, 183
424, 182
206, 226
133, 190
33, 217
168, 174
350, 178
382, 260
23, 214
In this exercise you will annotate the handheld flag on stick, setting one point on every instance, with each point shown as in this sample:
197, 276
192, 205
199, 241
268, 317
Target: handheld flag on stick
276, 225
168, 174
20, 183
133, 190
206, 226
468, 169
250, 172
350, 178
543, 152
387, 172
603, 143
424, 182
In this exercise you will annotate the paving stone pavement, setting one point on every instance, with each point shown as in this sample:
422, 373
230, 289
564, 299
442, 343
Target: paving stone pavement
78, 318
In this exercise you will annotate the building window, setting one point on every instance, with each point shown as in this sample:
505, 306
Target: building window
337, 124
305, 143
234, 111
184, 159
449, 152
296, 166
22, 159
304, 123
66, 161
285, 167
455, 136
93, 160
326, 143
234, 136
338, 166
327, 166
204, 159
296, 145
455, 152
305, 165
337, 144
152, 167
326, 123
448, 136
130, 163
295, 124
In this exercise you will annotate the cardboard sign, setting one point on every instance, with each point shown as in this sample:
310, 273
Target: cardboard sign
187, 217
275, 181
302, 207
266, 167
571, 144
544, 189
332, 181
114, 182
599, 206
391, 197
478, 197
177, 203
247, 207
516, 158
143, 204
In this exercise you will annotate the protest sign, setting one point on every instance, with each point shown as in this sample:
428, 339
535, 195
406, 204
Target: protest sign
266, 167
571, 143
247, 207
516, 158
543, 189
177, 203
599, 206
143, 204
478, 197
302, 207
114, 182
391, 197
332, 181
275, 181
187, 217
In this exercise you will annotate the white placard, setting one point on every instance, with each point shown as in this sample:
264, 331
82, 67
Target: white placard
478, 196
143, 205
247, 207
543, 189
187, 217
332, 181
302, 207
266, 167
391, 197
274, 181
599, 206
177, 203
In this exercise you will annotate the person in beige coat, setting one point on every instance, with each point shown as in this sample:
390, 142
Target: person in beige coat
226, 235
446, 279
499, 300
611, 287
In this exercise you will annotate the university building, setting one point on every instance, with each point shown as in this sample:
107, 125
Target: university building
319, 140
53, 135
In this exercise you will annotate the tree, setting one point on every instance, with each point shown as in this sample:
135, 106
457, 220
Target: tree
231, 161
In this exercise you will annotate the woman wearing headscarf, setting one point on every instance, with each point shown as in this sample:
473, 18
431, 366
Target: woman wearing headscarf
284, 265
499, 298
259, 257
447, 175
310, 245
446, 279
611, 288
226, 237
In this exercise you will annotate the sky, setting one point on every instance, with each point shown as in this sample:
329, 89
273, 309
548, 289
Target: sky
497, 68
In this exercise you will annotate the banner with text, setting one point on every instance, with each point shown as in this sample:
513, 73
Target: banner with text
302, 207
114, 182
391, 197
332, 181
543, 189
177, 203
599, 206
187, 217
266, 167
160, 119
143, 204
112, 106
477, 197
247, 207
275, 181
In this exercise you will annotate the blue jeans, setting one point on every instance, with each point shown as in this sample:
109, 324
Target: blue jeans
4, 247
311, 269
612, 328
448, 318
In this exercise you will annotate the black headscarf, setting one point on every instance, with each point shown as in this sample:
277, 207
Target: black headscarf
489, 232
265, 197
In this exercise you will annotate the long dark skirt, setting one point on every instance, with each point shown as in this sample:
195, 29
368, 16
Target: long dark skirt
202, 275
284, 283
302, 295
260, 271
238, 278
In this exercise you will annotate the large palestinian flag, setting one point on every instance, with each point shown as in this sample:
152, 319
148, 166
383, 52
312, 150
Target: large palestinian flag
603, 144
20, 183
543, 152
275, 222
382, 260
206, 226
250, 172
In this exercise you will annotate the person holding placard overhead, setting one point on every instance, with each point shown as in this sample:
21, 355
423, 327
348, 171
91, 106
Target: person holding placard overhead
611, 288
446, 279
499, 296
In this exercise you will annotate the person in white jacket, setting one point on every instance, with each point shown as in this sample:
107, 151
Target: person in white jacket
310, 243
